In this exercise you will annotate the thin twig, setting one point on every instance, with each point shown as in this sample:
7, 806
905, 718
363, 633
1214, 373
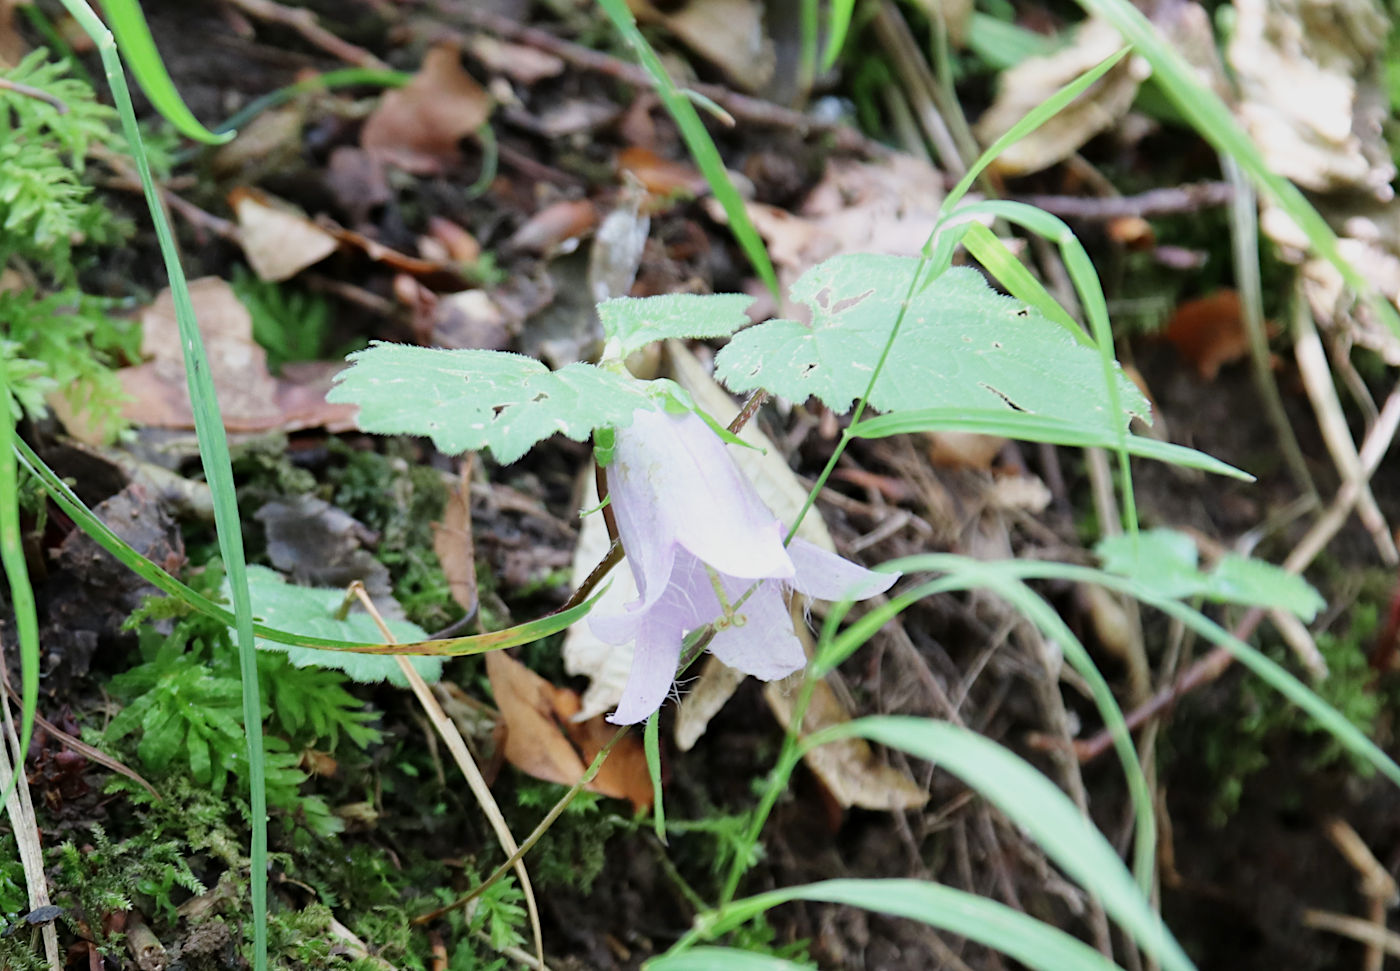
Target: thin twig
1146, 205
25, 827
304, 22
1355, 928
543, 827
1317, 381
53, 101
447, 729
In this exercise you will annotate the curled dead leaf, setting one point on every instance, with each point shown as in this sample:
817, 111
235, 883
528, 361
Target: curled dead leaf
540, 737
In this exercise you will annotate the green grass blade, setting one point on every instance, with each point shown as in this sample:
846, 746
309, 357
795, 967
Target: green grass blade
1038, 116
1011, 273
1037, 428
721, 959
838, 26
1213, 121
697, 139
103, 535
1035, 944
1086, 283
964, 573
128, 25
651, 746
218, 472
1270, 672
21, 592
1034, 803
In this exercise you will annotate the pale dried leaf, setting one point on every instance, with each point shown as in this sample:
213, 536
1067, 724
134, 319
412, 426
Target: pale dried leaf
519, 62
1032, 81
452, 542
850, 769
1309, 93
730, 35
277, 238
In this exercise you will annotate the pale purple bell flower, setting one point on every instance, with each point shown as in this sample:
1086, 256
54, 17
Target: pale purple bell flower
692, 524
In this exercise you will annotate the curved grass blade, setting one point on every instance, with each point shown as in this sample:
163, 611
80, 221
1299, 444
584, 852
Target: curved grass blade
697, 139
21, 592
1035, 804
1269, 671
1037, 428
103, 535
722, 959
1211, 119
963, 573
128, 25
1033, 943
218, 471
838, 26
1036, 117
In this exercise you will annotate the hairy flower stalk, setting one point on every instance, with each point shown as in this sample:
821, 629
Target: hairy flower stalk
698, 538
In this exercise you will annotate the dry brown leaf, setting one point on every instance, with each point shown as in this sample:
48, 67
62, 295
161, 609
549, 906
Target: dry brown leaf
1026, 86
850, 769
417, 127
535, 714
1210, 332
461, 246
432, 273
277, 238
662, 178
12, 45
557, 228
453, 544
251, 399
963, 450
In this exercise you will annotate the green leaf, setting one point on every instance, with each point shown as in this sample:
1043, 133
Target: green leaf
1165, 561
635, 323
312, 610
133, 37
468, 400
962, 345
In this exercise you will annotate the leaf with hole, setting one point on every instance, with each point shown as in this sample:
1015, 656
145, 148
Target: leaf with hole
636, 322
312, 610
468, 400
960, 345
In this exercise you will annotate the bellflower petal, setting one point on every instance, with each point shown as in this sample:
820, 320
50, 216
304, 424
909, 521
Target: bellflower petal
827, 576
693, 526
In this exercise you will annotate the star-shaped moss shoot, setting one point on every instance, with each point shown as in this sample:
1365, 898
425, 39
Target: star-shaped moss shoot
705, 550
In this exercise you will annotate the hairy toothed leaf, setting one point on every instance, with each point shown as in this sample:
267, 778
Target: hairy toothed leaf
961, 345
468, 400
635, 323
312, 611
1165, 560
